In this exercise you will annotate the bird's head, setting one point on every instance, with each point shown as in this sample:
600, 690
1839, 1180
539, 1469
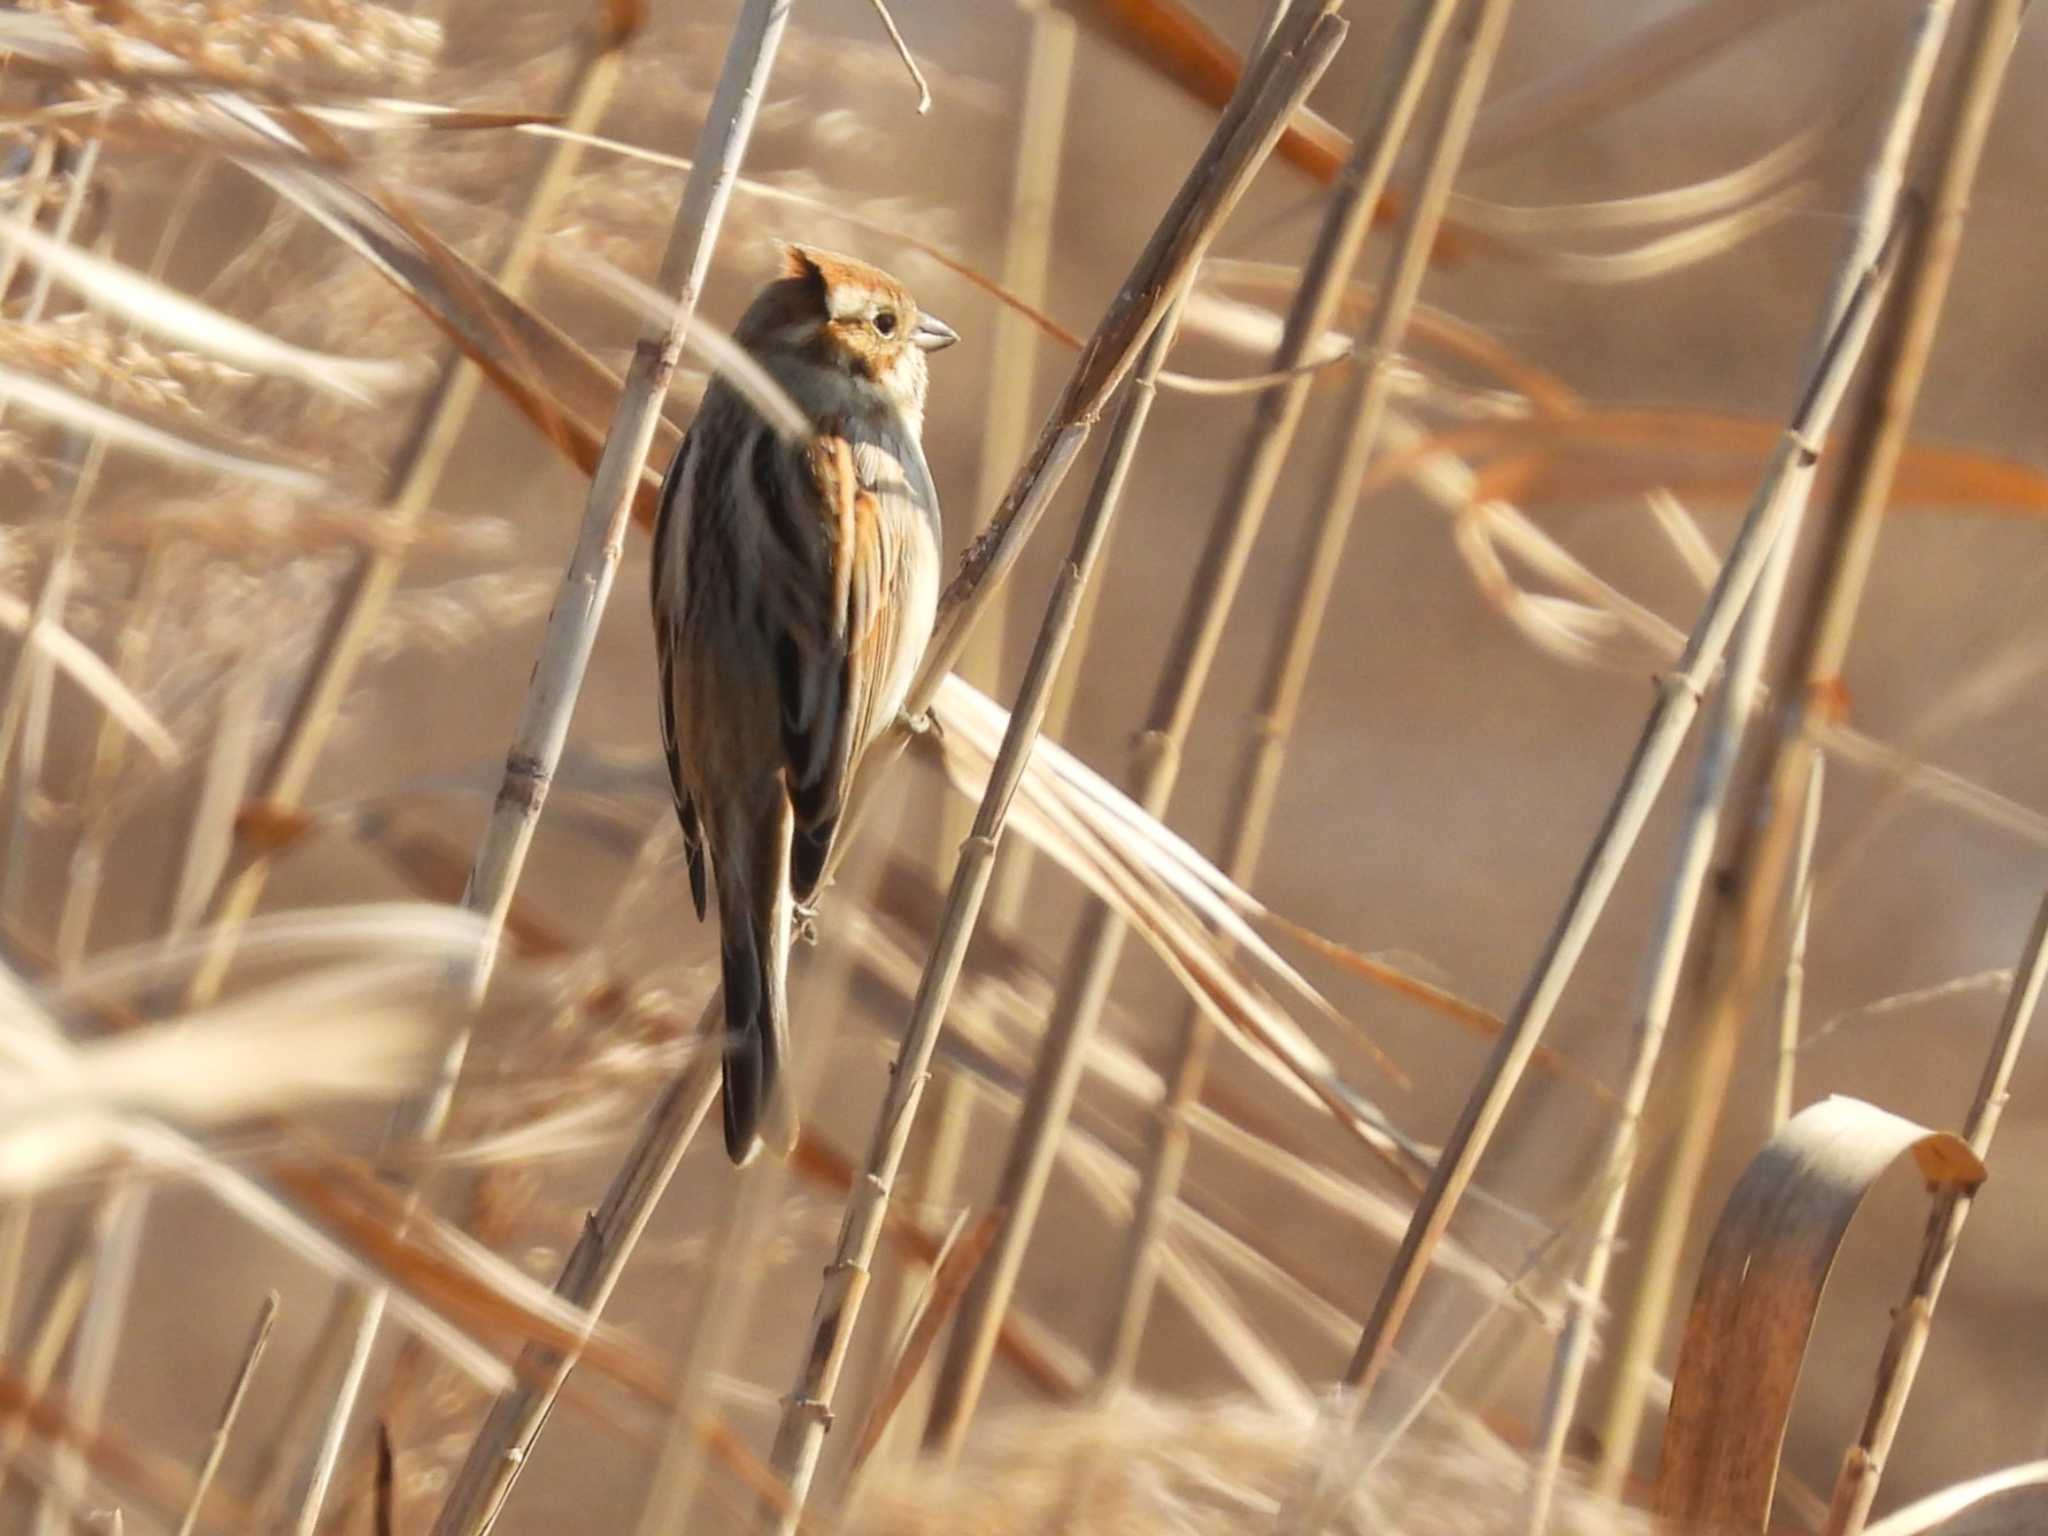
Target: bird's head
841, 315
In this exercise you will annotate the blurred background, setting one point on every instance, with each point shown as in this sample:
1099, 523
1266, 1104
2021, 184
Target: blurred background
1453, 758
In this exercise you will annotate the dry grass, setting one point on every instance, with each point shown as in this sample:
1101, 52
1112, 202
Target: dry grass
316, 328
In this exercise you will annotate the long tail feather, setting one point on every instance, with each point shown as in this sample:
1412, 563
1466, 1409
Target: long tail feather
754, 912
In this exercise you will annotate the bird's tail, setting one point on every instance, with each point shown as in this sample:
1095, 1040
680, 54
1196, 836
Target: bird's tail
754, 913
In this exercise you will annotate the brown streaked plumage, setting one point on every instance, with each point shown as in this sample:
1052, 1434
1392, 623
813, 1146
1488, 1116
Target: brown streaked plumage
795, 585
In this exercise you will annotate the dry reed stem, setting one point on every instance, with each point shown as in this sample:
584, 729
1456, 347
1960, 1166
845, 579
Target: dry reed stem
1027, 253
1792, 984
488, 1472
503, 1442
1732, 711
1678, 700
1239, 144
340, 650
1846, 542
1098, 944
731, 1295
1856, 1485
1383, 131
807, 1411
410, 488
231, 1410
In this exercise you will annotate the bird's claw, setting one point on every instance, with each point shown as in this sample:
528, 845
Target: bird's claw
806, 922
924, 723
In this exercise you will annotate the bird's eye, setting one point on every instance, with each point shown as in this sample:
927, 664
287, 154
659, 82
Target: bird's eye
885, 323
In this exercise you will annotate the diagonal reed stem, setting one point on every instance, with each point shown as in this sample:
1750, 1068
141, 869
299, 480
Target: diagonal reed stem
1384, 128
351, 1326
231, 1410
1678, 700
1733, 708
806, 1417
516, 1418
1243, 136
1295, 56
1027, 255
410, 487
1098, 945
1856, 1486
1846, 542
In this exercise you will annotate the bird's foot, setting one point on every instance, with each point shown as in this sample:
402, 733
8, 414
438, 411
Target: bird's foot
806, 922
924, 723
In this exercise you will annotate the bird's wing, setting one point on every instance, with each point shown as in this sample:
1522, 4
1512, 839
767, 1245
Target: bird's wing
670, 521
833, 694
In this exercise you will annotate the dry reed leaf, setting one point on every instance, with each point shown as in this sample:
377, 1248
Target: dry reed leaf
82, 665
349, 1032
1148, 1466
2010, 1502
461, 1279
1759, 1291
553, 382
1667, 253
1698, 200
958, 1260
1190, 914
125, 292
55, 403
996, 1039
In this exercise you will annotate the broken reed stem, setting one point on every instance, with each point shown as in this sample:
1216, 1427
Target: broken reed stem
410, 486
1678, 701
231, 1410
1856, 1485
807, 1411
1846, 541
1733, 708
1792, 986
1027, 255
1383, 130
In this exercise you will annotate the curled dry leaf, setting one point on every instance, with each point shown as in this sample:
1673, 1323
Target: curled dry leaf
1759, 1291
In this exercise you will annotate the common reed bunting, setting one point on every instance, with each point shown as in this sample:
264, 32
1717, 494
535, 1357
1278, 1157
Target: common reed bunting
795, 584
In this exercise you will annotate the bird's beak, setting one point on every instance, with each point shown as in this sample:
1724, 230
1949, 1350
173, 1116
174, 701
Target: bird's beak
933, 334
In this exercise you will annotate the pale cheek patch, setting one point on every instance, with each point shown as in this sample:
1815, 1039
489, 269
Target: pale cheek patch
846, 303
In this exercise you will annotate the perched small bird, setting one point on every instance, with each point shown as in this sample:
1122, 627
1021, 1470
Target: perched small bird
795, 585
